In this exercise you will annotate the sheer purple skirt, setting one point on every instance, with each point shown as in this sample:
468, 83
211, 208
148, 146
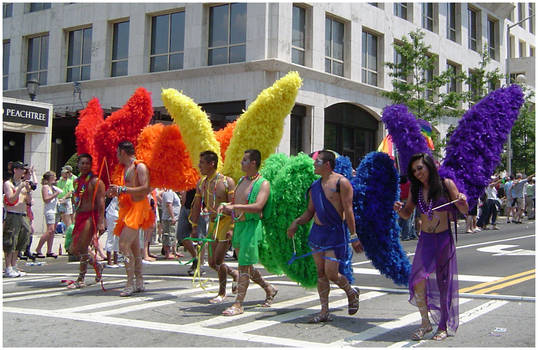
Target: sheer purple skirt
435, 262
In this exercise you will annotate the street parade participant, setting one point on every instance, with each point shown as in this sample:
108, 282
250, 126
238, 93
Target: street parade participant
330, 203
248, 208
433, 283
211, 191
89, 194
134, 213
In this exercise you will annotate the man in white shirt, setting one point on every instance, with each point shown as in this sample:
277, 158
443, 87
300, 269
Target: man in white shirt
171, 206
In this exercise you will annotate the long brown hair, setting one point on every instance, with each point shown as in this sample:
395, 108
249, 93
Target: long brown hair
434, 180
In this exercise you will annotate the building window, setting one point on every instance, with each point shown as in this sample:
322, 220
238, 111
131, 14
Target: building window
492, 85
120, 49
38, 54
298, 117
451, 21
398, 60
334, 46
374, 4
427, 76
79, 54
298, 35
473, 29
400, 9
5, 65
492, 42
531, 54
474, 85
369, 58
227, 34
427, 16
452, 85
521, 14
7, 10
522, 49
38, 6
167, 42
532, 28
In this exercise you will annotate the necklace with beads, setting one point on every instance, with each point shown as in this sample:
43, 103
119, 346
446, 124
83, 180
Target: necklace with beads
426, 208
205, 191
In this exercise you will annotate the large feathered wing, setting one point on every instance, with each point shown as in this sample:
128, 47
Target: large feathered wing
224, 137
261, 125
474, 149
90, 118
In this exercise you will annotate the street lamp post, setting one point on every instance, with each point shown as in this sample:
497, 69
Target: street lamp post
32, 87
508, 50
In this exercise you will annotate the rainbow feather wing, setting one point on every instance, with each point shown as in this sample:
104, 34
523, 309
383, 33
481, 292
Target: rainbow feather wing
261, 126
474, 149
193, 123
375, 189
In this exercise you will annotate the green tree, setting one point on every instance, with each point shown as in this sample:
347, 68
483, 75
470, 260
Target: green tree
523, 137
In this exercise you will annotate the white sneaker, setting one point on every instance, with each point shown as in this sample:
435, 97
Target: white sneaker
10, 272
21, 273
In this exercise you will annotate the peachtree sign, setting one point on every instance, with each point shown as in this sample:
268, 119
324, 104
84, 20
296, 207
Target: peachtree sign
25, 114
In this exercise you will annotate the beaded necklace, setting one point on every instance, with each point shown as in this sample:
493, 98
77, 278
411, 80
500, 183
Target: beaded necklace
425, 208
205, 192
251, 178
81, 189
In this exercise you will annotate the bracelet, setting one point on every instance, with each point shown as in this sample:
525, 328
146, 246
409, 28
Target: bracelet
122, 189
353, 236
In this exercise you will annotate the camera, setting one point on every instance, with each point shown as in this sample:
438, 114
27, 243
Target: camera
33, 185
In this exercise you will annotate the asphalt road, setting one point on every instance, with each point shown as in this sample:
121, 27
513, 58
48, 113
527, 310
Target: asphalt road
497, 305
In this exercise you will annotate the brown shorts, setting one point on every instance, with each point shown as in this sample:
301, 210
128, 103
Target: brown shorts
16, 232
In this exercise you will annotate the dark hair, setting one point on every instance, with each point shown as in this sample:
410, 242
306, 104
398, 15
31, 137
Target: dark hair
84, 155
434, 180
328, 156
403, 179
210, 156
127, 146
254, 155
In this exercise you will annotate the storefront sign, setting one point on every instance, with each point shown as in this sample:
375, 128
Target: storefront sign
25, 114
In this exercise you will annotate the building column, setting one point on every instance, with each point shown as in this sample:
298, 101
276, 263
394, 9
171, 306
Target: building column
317, 128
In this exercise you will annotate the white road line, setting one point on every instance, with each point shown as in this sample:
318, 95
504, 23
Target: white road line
23, 279
382, 329
124, 310
466, 278
37, 291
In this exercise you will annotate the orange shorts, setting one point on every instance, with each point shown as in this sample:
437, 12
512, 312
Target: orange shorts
134, 215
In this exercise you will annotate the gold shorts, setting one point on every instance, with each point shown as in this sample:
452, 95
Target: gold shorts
225, 223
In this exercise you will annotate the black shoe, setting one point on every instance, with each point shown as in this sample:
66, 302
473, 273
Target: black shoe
193, 267
22, 257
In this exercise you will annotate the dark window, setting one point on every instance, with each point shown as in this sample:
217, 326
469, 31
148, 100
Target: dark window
398, 60
400, 9
474, 86
227, 34
334, 46
298, 116
522, 49
79, 54
452, 84
428, 78
532, 22
222, 113
473, 29
38, 53
451, 21
521, 14
369, 58
5, 65
492, 44
427, 16
120, 49
167, 42
531, 54
38, 6
298, 35
7, 10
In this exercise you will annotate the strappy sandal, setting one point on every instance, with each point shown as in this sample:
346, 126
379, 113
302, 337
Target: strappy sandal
219, 299
233, 311
321, 317
270, 298
421, 332
52, 255
76, 285
353, 305
127, 291
99, 273
441, 334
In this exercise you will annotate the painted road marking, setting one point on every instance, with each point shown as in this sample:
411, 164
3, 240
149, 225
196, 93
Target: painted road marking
500, 249
486, 284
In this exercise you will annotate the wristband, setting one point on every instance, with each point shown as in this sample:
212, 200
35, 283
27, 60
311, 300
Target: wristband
353, 237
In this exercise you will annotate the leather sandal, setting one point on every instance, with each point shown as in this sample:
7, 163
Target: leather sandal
233, 311
321, 317
219, 299
76, 285
39, 255
441, 334
353, 305
127, 291
270, 298
52, 255
420, 333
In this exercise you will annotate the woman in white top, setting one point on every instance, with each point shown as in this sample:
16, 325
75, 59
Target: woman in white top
50, 193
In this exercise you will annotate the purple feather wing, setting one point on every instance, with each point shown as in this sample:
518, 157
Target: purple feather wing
404, 129
475, 147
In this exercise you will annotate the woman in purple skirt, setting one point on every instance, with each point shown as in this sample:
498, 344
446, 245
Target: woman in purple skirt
433, 282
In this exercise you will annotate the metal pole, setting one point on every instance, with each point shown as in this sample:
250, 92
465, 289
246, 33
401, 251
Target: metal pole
508, 52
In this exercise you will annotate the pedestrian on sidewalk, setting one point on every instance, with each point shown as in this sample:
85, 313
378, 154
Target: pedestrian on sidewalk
489, 209
529, 199
50, 194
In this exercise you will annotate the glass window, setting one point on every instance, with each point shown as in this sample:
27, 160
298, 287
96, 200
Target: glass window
521, 14
227, 34
427, 16
522, 49
298, 117
120, 49
298, 35
398, 60
167, 42
38, 6
79, 54
5, 65
400, 9
451, 21
427, 75
473, 29
492, 43
38, 53
532, 22
369, 58
7, 10
474, 85
452, 84
531, 54
334, 46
